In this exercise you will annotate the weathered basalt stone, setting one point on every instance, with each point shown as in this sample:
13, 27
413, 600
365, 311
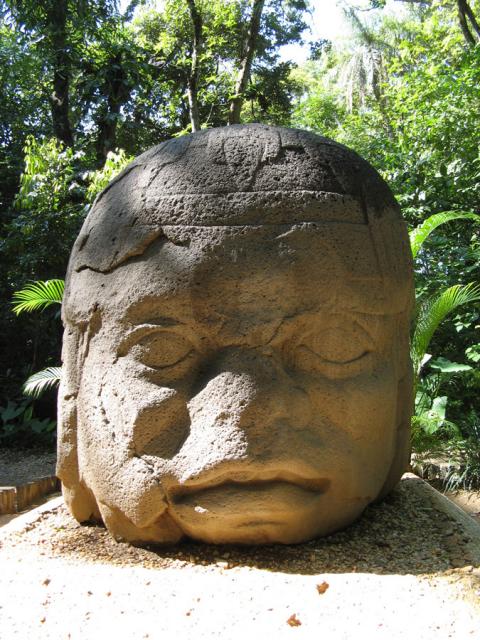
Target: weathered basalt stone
236, 362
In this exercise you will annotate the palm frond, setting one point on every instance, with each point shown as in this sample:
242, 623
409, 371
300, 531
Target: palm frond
363, 72
39, 382
36, 296
433, 311
421, 233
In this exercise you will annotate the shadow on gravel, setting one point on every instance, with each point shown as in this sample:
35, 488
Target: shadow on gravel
405, 534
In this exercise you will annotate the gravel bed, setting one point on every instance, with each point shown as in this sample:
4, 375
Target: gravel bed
402, 535
21, 466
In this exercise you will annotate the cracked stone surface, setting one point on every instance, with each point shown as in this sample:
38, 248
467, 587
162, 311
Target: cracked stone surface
236, 364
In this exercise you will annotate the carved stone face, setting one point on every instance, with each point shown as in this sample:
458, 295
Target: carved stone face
236, 382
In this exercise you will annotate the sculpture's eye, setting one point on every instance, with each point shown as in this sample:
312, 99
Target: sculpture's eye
336, 346
334, 349
162, 349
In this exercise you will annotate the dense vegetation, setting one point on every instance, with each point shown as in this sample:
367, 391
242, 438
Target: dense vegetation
86, 85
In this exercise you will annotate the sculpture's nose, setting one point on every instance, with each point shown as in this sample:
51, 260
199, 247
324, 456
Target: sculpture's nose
250, 394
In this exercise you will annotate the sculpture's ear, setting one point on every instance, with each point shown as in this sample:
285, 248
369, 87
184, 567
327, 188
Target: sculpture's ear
78, 497
401, 457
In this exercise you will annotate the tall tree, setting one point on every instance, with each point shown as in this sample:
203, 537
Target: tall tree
56, 14
49, 20
60, 28
217, 55
194, 74
112, 68
248, 52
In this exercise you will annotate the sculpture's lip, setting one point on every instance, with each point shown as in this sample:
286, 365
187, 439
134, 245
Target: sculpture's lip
248, 479
253, 505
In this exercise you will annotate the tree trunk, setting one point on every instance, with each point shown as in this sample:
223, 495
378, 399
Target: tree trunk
59, 99
473, 21
246, 62
465, 12
107, 132
116, 92
192, 85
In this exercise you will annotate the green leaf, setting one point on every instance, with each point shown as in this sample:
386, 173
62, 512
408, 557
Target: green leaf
11, 411
422, 403
42, 426
433, 311
41, 381
446, 366
473, 353
421, 233
439, 407
433, 419
37, 296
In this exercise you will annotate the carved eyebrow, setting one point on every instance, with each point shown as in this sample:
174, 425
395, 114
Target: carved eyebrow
296, 321
144, 329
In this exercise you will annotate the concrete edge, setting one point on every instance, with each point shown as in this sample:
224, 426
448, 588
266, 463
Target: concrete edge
454, 512
23, 520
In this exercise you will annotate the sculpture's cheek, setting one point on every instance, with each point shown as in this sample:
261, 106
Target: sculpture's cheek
362, 413
109, 465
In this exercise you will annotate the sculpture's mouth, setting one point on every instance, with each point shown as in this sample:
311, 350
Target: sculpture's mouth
245, 479
256, 499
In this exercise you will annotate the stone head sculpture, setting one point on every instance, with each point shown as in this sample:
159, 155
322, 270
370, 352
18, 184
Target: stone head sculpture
236, 362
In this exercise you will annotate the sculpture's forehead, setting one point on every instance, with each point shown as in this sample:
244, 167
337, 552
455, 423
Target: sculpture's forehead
264, 271
249, 175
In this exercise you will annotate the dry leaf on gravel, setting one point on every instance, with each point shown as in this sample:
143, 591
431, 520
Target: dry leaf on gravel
293, 621
322, 587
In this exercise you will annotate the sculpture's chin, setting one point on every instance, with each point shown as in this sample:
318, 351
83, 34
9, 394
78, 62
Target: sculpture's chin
162, 531
262, 513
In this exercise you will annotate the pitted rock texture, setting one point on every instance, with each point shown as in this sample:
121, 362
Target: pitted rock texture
236, 362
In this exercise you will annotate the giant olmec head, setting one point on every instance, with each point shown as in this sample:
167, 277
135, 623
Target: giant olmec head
235, 355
